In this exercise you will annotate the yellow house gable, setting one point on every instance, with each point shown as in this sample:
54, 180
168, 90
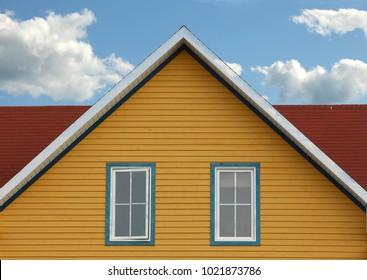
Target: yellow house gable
182, 39
181, 124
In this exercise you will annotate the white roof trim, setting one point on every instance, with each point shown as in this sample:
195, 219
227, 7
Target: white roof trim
181, 37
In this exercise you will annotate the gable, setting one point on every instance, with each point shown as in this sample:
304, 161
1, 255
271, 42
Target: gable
182, 119
183, 39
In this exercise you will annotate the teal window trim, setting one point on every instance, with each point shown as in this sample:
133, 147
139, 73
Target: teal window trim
215, 239
111, 169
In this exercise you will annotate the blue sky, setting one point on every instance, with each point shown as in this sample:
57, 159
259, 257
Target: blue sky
290, 51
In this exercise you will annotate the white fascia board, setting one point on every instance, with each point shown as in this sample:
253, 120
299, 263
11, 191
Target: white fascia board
182, 36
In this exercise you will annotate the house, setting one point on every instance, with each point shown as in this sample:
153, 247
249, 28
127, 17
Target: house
183, 160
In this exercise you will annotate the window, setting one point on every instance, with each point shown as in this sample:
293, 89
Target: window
235, 207
130, 204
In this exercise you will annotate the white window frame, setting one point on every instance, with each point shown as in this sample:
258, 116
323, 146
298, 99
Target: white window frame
217, 169
147, 238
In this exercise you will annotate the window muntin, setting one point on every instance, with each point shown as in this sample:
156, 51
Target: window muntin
235, 209
130, 204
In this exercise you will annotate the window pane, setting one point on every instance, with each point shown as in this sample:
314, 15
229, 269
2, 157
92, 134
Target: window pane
122, 214
138, 187
243, 179
226, 217
243, 195
243, 221
226, 187
243, 187
226, 179
138, 220
226, 195
122, 187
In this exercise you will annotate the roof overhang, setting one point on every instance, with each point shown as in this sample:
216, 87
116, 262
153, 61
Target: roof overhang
183, 37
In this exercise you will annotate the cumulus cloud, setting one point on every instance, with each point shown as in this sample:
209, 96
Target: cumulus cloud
344, 83
235, 67
325, 22
50, 56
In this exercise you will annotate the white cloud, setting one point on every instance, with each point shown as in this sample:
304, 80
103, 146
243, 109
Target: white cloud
235, 67
50, 56
325, 22
119, 65
344, 83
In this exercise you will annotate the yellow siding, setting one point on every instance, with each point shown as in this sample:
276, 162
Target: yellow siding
183, 119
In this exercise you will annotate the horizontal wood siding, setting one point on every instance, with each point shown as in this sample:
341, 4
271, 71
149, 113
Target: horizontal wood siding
182, 119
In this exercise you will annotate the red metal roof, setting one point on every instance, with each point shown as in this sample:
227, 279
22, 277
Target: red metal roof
26, 131
339, 130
